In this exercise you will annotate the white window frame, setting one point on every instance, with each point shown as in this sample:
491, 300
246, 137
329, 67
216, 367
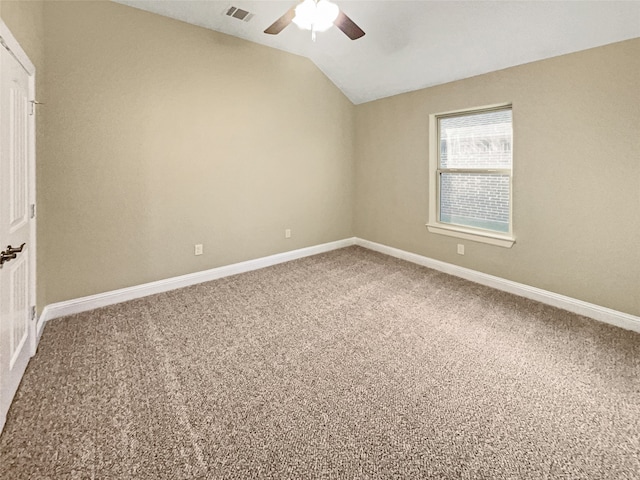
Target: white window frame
468, 233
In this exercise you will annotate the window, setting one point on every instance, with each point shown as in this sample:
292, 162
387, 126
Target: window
470, 172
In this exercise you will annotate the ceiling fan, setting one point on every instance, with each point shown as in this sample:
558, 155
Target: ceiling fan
317, 16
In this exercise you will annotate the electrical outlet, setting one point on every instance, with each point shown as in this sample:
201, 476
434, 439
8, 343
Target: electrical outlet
287, 233
460, 249
198, 250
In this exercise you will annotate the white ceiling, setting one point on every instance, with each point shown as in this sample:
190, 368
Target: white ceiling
415, 44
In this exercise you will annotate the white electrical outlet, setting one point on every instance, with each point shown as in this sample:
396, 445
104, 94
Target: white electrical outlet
460, 249
287, 233
198, 250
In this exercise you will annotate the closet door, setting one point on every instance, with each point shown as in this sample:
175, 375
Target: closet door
16, 327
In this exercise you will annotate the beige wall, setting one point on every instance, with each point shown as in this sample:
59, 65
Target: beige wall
161, 135
25, 20
157, 135
576, 210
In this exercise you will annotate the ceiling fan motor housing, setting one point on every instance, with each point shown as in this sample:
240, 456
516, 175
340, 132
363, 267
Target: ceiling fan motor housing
316, 15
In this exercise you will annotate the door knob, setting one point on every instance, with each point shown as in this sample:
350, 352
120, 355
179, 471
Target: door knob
11, 249
10, 253
5, 257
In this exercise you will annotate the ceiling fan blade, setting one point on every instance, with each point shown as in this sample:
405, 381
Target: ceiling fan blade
348, 26
280, 24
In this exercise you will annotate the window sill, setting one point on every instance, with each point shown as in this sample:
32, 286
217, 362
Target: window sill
473, 235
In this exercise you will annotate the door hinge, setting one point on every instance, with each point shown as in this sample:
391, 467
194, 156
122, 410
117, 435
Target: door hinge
33, 313
33, 104
33, 210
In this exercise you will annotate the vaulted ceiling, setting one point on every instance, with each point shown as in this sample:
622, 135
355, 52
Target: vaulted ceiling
415, 44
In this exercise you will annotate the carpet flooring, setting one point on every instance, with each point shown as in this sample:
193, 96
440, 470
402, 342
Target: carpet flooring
345, 365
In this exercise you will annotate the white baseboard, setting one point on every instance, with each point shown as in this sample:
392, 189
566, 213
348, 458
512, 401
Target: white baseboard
607, 315
92, 302
602, 314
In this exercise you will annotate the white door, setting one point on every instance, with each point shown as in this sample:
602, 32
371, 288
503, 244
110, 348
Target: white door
16, 295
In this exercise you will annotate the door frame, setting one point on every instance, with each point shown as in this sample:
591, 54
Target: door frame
8, 41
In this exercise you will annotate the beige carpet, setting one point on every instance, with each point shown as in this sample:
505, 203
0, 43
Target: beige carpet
344, 365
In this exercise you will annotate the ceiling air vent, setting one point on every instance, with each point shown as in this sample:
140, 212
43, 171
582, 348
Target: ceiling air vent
238, 13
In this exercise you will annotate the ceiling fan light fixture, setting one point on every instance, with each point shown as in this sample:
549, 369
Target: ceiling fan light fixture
316, 15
